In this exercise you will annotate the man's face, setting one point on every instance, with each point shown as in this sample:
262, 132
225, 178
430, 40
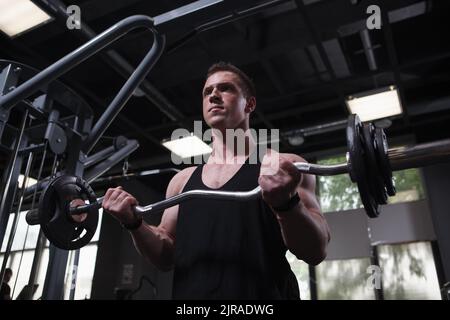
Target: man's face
224, 103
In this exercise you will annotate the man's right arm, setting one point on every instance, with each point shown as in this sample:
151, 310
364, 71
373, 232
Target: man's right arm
157, 243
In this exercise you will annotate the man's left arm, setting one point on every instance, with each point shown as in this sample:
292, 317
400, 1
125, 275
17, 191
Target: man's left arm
304, 228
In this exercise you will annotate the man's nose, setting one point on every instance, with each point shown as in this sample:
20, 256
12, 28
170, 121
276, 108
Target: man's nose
215, 96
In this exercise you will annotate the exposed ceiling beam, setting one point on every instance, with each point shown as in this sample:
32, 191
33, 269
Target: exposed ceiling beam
390, 46
323, 54
270, 72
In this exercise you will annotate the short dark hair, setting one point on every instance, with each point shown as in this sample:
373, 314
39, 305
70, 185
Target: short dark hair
8, 270
247, 85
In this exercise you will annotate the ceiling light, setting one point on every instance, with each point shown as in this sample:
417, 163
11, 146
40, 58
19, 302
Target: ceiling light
189, 146
375, 104
19, 16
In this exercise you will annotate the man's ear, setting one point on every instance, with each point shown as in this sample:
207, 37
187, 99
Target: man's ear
250, 105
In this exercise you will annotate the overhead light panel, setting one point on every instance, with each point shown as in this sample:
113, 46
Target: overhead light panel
375, 104
189, 146
19, 16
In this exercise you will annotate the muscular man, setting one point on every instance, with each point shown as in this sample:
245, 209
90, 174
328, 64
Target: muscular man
224, 249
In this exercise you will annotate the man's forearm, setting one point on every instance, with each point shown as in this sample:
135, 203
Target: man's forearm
305, 233
155, 245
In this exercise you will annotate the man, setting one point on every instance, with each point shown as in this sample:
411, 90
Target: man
225, 249
5, 291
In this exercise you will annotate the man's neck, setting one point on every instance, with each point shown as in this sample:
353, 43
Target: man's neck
231, 149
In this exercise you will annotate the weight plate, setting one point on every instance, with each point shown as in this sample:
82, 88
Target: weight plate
376, 182
356, 165
54, 216
381, 147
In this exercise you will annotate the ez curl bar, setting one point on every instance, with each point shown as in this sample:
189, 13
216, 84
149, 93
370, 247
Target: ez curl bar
369, 163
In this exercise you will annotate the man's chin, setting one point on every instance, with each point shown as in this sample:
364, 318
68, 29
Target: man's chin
216, 124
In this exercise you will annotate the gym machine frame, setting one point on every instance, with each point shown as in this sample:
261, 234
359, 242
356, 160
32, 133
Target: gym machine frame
82, 137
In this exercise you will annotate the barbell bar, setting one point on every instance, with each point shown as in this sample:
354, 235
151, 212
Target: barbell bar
369, 163
399, 158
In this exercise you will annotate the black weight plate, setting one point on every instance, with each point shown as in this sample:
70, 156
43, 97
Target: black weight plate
356, 165
382, 148
56, 222
372, 171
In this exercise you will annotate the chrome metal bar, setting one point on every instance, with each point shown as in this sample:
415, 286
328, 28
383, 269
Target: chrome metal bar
221, 195
184, 10
15, 223
135, 175
321, 170
400, 158
74, 58
199, 194
420, 155
10, 185
112, 160
240, 195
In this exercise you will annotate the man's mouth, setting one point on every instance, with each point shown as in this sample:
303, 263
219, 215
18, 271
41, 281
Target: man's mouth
215, 108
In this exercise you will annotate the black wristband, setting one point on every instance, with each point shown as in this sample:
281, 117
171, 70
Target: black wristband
288, 205
134, 225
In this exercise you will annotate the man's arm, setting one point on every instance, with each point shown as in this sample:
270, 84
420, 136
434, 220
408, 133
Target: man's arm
305, 231
155, 243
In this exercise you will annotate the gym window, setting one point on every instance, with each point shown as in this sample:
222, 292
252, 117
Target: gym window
21, 259
338, 193
344, 280
301, 271
408, 271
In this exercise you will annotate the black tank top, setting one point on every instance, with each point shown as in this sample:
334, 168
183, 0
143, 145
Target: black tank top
230, 249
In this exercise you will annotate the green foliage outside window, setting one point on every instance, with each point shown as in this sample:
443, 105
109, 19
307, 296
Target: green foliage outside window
339, 193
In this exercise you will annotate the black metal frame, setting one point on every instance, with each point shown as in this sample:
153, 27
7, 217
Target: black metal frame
77, 130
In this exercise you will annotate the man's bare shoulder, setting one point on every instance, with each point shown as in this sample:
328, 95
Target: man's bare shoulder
179, 180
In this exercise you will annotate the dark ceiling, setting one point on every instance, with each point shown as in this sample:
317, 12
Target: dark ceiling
304, 56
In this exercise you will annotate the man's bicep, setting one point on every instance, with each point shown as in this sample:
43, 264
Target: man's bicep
169, 221
169, 218
170, 215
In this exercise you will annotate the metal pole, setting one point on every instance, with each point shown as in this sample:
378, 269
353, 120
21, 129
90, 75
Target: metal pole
74, 58
113, 159
99, 156
420, 155
10, 185
40, 244
74, 274
135, 175
125, 92
16, 216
